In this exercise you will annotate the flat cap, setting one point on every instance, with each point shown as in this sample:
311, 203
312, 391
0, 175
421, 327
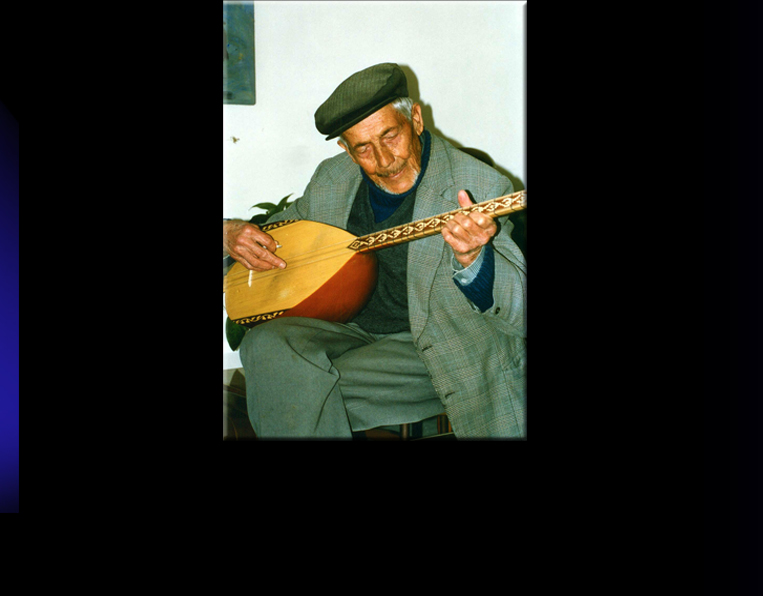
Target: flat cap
359, 96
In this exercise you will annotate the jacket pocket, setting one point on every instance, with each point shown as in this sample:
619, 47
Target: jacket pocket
515, 352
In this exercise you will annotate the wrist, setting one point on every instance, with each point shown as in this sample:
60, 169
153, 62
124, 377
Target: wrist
468, 259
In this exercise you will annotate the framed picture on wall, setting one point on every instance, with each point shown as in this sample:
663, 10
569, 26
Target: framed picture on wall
238, 53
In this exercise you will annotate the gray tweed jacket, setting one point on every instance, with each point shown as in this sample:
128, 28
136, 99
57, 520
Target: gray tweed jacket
477, 361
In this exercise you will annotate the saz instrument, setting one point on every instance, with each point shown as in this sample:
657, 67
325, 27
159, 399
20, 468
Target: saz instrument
330, 274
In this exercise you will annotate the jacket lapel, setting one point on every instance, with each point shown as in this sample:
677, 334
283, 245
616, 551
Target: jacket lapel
426, 254
433, 197
332, 200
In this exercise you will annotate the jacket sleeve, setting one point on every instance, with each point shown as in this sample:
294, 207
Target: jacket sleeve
297, 210
476, 281
300, 208
508, 312
320, 201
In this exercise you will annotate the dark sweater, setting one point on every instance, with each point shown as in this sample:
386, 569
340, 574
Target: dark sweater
375, 210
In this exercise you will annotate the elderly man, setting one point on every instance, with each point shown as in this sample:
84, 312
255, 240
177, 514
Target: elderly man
444, 330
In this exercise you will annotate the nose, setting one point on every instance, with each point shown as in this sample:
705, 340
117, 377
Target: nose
384, 157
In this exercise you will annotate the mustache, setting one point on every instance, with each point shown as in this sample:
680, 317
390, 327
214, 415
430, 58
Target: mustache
391, 172
383, 186
414, 168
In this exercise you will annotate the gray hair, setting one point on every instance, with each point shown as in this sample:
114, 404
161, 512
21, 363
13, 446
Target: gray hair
404, 105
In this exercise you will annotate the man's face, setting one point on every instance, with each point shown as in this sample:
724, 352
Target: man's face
387, 147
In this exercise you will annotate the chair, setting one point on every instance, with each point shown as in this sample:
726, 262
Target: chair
436, 427
414, 431
236, 425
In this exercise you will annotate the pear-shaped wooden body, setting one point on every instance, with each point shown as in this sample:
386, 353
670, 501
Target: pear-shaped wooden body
323, 278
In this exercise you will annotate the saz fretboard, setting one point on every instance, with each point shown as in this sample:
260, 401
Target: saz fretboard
432, 225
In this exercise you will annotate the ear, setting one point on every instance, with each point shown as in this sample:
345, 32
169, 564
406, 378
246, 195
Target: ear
418, 120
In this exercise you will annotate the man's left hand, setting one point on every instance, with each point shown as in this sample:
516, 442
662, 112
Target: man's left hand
467, 234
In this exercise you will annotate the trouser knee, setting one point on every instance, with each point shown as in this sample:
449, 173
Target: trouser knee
273, 341
261, 340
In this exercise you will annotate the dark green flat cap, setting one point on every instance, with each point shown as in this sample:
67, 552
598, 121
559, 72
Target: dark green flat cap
359, 96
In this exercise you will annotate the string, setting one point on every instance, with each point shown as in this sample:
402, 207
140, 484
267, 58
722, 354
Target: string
295, 262
329, 251
245, 277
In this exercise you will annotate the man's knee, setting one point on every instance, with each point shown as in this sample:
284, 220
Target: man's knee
270, 340
262, 338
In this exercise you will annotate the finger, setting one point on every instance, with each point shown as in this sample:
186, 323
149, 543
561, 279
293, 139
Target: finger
463, 199
454, 242
478, 224
468, 227
262, 258
483, 221
463, 253
268, 257
266, 240
466, 246
252, 263
253, 251
255, 257
458, 243
253, 233
466, 222
457, 229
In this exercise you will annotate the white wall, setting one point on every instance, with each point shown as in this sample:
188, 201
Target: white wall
465, 63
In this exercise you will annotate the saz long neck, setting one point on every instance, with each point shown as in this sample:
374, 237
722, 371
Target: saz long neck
432, 225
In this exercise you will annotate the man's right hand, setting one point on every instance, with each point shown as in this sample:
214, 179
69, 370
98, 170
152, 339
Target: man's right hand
250, 246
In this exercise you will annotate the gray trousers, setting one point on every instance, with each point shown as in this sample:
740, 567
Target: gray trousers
311, 378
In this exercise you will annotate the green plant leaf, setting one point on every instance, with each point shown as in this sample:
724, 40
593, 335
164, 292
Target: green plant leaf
266, 206
284, 202
234, 333
260, 218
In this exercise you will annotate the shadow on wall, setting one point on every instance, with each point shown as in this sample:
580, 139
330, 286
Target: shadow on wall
426, 110
519, 219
